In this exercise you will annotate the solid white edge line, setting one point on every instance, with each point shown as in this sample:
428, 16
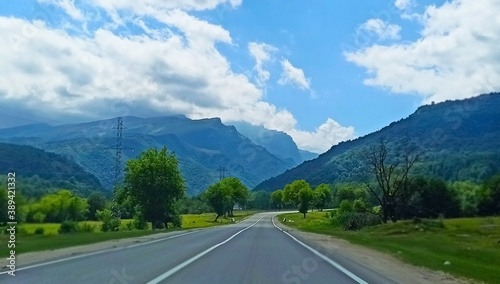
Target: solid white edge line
97, 252
325, 258
194, 258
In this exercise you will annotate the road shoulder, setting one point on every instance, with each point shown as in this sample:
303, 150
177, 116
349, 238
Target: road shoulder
379, 262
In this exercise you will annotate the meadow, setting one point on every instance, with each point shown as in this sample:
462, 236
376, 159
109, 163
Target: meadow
467, 247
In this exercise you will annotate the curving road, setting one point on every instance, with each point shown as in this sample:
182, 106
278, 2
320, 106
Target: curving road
253, 251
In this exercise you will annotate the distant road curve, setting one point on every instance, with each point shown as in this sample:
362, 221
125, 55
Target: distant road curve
253, 251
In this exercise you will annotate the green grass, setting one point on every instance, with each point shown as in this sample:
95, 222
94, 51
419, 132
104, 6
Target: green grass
471, 245
28, 242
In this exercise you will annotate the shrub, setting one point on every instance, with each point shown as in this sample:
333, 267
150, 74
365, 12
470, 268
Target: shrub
86, 228
354, 221
139, 222
39, 231
68, 227
109, 222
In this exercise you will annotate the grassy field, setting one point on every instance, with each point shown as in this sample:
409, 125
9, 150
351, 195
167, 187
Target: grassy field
28, 242
470, 245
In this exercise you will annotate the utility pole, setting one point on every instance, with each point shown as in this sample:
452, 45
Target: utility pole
222, 173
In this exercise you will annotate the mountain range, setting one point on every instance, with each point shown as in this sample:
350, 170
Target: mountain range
203, 147
459, 140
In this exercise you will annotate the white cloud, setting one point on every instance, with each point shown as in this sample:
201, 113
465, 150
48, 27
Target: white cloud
261, 52
380, 29
174, 67
293, 76
404, 4
456, 57
324, 137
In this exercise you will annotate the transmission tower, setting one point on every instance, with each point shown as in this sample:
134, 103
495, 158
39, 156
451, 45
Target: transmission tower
222, 173
118, 159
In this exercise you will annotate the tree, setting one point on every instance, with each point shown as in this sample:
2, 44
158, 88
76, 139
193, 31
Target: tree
306, 196
392, 175
259, 200
223, 195
277, 199
58, 207
154, 183
219, 198
322, 196
96, 201
490, 197
292, 190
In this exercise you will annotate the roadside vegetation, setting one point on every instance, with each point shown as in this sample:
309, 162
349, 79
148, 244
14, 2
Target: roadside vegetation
448, 226
466, 247
151, 199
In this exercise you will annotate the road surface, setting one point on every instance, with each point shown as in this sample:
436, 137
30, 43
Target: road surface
253, 251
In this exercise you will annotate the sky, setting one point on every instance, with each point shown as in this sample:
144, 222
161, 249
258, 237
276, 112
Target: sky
322, 71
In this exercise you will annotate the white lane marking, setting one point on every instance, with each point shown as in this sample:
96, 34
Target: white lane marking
191, 260
98, 252
325, 258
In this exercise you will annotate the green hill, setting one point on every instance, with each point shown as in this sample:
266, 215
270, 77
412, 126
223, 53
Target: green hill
460, 140
39, 172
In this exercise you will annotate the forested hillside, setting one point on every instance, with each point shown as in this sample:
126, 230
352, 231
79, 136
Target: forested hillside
459, 140
39, 172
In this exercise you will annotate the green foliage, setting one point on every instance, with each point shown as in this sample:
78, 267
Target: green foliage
468, 195
259, 200
322, 196
86, 227
223, 195
57, 207
291, 192
490, 199
277, 199
68, 227
306, 196
45, 171
154, 183
39, 231
461, 141
193, 205
109, 222
353, 221
96, 201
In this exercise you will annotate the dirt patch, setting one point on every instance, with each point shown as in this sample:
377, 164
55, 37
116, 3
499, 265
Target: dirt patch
379, 262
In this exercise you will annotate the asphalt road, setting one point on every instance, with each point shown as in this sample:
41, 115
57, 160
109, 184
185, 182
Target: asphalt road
252, 251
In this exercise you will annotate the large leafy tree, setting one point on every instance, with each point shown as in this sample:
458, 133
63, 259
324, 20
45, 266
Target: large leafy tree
223, 195
291, 191
97, 201
306, 196
154, 183
322, 196
277, 199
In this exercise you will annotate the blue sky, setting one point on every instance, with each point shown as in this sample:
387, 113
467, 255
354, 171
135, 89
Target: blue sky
322, 71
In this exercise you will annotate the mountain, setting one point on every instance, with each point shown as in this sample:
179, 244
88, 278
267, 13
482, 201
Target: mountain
460, 140
201, 146
38, 171
277, 143
306, 155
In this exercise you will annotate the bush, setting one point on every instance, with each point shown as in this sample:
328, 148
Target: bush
139, 222
86, 228
109, 222
39, 231
68, 227
354, 221
19, 231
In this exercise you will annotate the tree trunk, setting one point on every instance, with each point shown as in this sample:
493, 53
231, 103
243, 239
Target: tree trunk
153, 225
304, 215
216, 218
